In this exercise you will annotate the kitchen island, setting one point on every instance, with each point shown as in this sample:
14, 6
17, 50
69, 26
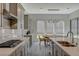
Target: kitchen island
59, 50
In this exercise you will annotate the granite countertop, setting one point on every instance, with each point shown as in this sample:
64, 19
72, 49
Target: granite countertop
72, 51
8, 51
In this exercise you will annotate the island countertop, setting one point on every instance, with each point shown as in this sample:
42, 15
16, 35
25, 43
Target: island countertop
72, 51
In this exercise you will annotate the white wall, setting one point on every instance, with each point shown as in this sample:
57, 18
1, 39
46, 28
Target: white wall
74, 14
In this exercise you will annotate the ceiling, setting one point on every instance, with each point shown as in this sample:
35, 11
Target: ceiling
50, 8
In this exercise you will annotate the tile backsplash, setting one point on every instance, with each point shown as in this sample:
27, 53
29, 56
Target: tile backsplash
9, 34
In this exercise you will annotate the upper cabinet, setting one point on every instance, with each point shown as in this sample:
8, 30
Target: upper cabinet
13, 8
6, 6
0, 14
10, 8
10, 13
0, 8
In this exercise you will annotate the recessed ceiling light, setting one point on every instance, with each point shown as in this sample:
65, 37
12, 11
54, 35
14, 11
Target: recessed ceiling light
68, 8
53, 9
41, 8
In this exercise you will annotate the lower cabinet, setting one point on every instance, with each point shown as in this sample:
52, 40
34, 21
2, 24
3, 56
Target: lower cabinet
13, 54
19, 51
52, 48
65, 54
57, 51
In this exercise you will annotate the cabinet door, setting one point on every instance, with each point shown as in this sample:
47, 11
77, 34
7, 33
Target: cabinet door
56, 50
18, 51
13, 54
0, 7
0, 14
20, 23
7, 6
53, 48
23, 51
59, 51
26, 45
13, 8
65, 54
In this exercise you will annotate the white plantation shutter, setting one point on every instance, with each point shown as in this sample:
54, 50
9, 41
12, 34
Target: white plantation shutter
55, 28
40, 27
50, 27
60, 27
74, 27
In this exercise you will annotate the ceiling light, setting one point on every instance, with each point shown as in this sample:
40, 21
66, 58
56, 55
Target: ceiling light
68, 8
41, 8
53, 9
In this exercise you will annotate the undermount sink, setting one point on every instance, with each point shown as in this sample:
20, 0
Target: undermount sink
66, 44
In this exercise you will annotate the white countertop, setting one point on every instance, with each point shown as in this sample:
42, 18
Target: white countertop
72, 51
8, 51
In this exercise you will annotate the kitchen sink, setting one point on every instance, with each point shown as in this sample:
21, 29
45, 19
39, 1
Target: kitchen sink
66, 44
70, 45
10, 43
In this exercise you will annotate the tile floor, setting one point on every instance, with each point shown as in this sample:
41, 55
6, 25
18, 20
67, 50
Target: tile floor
39, 50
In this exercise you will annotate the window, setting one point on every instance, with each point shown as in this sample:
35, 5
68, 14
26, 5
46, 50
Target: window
50, 27
40, 27
74, 26
59, 27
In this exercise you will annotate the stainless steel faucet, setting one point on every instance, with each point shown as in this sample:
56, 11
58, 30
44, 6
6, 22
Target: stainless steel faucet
70, 32
71, 35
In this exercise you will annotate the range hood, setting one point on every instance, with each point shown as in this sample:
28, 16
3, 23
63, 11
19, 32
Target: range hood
8, 15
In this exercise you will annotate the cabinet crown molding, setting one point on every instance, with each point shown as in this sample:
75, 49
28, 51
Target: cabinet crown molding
19, 5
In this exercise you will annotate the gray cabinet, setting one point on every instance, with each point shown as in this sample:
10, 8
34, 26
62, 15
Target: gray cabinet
0, 14
13, 8
8, 15
64, 53
19, 51
13, 54
52, 48
58, 51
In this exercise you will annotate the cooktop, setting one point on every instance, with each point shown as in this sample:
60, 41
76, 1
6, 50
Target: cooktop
10, 43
